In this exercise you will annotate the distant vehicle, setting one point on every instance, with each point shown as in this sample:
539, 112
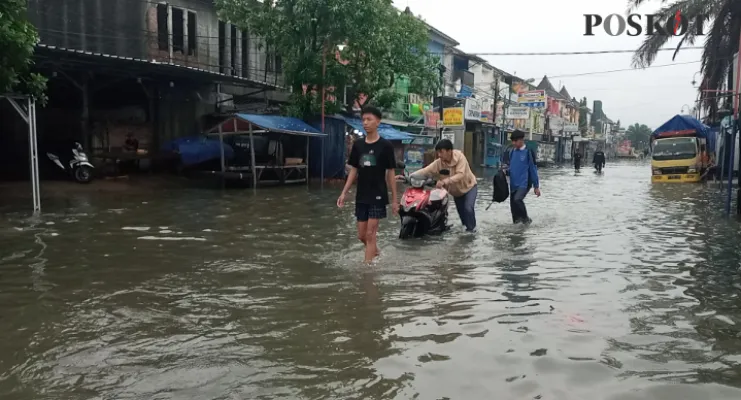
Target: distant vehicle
681, 150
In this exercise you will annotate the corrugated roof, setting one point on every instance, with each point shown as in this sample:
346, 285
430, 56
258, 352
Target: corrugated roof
166, 65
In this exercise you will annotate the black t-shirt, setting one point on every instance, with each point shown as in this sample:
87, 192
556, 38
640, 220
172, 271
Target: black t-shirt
372, 160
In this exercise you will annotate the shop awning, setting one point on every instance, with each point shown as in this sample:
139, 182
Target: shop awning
240, 124
386, 131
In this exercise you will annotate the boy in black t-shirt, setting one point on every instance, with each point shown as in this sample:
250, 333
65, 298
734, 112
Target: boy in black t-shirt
373, 162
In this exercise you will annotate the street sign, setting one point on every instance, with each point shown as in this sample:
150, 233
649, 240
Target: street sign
453, 116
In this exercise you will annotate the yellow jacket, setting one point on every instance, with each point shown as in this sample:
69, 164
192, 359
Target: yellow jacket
461, 177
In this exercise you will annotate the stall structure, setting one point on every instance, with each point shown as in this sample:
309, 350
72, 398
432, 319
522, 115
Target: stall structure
407, 147
276, 169
26, 108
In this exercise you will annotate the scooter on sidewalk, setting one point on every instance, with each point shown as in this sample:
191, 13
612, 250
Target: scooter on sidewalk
75, 164
423, 209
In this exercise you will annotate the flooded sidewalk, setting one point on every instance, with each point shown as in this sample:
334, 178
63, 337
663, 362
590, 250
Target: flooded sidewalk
620, 289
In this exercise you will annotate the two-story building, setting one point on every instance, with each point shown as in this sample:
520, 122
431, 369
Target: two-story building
154, 69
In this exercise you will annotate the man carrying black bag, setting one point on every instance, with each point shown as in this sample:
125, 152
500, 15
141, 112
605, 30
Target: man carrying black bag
519, 161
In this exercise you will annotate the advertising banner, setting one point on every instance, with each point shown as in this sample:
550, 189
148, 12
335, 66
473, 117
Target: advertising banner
518, 113
473, 110
431, 119
453, 116
532, 98
570, 127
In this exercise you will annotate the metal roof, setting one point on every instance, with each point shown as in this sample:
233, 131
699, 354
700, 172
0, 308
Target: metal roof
163, 66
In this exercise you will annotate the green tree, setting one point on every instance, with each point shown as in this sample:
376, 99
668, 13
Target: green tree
639, 136
17, 40
583, 111
721, 41
381, 44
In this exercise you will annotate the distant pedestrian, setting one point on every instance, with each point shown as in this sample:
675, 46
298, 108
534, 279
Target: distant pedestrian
452, 171
577, 161
372, 163
523, 175
599, 160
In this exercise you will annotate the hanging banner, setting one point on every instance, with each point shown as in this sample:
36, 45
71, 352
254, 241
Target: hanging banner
453, 116
431, 119
518, 113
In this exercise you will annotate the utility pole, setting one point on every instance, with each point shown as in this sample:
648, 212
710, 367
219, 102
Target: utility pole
441, 69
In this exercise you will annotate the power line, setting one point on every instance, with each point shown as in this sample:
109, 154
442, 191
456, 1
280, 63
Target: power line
622, 70
571, 53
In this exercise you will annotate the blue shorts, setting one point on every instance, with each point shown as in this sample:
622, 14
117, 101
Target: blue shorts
364, 212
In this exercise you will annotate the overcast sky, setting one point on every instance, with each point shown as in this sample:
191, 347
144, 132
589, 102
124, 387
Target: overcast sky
648, 96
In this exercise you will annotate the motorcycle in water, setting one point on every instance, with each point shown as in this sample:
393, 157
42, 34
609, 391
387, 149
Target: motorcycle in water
77, 165
423, 210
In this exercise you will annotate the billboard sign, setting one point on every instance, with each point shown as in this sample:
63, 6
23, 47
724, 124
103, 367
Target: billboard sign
532, 98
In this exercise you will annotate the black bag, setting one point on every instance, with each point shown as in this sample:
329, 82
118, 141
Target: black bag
501, 187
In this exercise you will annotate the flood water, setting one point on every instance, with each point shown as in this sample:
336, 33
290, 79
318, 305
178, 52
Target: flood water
619, 290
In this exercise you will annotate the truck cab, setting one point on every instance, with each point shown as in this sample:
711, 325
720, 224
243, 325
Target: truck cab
678, 159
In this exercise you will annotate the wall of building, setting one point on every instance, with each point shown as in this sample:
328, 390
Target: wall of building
184, 32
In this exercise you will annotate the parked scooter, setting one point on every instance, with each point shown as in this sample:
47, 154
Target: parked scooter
423, 210
75, 164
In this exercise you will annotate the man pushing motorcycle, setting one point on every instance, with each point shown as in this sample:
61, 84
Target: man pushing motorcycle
452, 171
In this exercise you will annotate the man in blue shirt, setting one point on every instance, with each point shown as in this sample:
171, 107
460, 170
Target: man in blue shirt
523, 174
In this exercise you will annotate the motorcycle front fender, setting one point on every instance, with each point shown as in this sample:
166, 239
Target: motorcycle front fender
84, 164
405, 220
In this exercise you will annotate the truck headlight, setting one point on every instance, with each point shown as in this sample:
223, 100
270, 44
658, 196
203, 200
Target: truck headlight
691, 170
657, 171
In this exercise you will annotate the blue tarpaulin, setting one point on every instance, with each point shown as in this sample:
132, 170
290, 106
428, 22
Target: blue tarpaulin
240, 124
386, 131
197, 149
683, 123
688, 124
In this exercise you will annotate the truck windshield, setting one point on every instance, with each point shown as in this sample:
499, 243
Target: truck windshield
675, 149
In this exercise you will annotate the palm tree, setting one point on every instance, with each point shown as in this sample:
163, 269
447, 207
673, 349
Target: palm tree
721, 41
639, 136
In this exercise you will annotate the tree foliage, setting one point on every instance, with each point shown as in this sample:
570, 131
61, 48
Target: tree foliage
381, 44
721, 40
583, 112
17, 40
639, 135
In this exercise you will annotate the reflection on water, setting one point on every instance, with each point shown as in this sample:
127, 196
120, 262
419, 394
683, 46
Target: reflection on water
619, 290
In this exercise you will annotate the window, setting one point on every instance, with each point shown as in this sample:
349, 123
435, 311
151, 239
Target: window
245, 52
162, 33
178, 31
275, 63
278, 64
233, 50
192, 33
222, 46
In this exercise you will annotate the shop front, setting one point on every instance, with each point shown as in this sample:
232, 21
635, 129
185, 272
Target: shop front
473, 146
493, 146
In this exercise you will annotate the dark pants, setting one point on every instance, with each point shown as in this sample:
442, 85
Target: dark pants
577, 164
465, 206
517, 205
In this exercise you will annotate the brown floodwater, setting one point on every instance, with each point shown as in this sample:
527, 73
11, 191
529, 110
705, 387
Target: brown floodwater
620, 289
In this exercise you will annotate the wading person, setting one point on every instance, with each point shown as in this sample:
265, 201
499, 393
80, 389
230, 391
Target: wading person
523, 174
372, 163
599, 160
452, 172
577, 161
